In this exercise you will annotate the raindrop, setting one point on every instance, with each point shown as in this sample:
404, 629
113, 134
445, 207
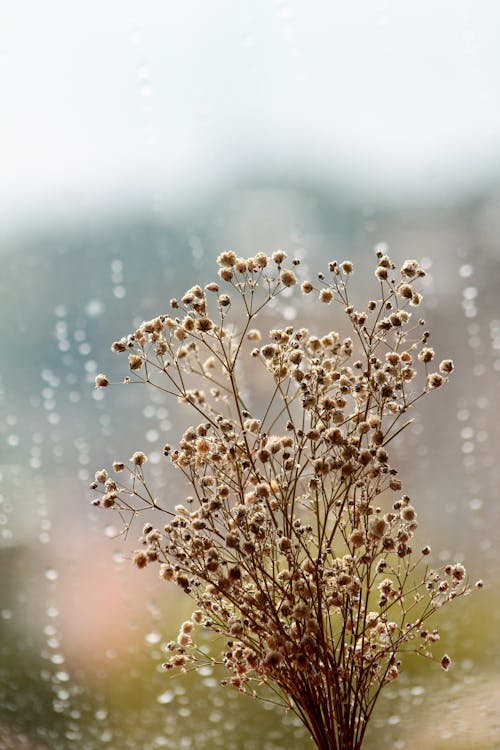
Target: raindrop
94, 308
152, 638
476, 504
470, 292
166, 697
417, 690
466, 270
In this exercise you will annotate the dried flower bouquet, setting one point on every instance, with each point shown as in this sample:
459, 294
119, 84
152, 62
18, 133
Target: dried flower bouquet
295, 540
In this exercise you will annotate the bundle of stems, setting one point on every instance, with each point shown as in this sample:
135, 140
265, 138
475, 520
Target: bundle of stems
296, 538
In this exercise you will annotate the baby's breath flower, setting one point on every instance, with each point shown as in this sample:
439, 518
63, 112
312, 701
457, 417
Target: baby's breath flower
279, 256
261, 260
227, 259
287, 277
138, 458
204, 325
326, 295
225, 274
135, 362
446, 366
347, 267
140, 559
435, 380
410, 269
446, 662
307, 287
101, 381
101, 476
426, 354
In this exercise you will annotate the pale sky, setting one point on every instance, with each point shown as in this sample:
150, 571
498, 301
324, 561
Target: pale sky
108, 100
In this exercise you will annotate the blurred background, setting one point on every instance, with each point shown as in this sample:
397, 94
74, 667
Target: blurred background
140, 139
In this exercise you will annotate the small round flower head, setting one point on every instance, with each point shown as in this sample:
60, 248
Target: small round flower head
446, 366
166, 572
279, 256
118, 466
261, 260
204, 325
357, 538
392, 673
446, 662
458, 572
241, 265
254, 335
101, 476
405, 291
212, 287
138, 458
408, 513
426, 354
307, 287
435, 380
288, 277
227, 259
410, 269
140, 559
225, 274
101, 381
347, 267
326, 296
377, 527
135, 362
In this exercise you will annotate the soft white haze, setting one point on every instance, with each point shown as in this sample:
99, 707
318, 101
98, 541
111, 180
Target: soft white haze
106, 101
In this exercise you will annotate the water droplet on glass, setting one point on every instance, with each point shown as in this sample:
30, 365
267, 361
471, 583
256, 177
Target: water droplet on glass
466, 270
94, 308
166, 697
152, 638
